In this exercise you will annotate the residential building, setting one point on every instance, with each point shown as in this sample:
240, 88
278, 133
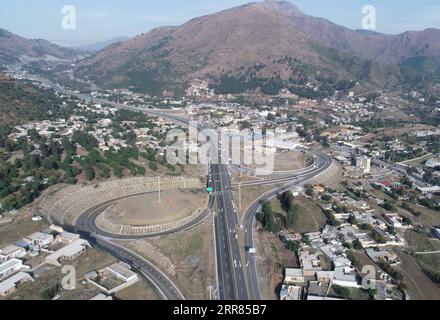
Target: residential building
68, 252
39, 239
11, 252
437, 233
10, 267
363, 163
345, 277
290, 292
383, 255
102, 297
122, 271
10, 285
293, 276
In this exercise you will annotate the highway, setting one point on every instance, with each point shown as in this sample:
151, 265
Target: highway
232, 283
87, 221
323, 163
231, 280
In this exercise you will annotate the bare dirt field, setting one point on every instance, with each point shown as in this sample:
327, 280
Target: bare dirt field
420, 287
285, 161
141, 290
20, 227
310, 217
147, 210
247, 195
272, 258
192, 253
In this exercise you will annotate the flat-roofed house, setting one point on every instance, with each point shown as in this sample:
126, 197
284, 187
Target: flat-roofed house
325, 276
10, 252
67, 237
345, 277
10, 285
10, 267
293, 276
123, 272
290, 292
39, 239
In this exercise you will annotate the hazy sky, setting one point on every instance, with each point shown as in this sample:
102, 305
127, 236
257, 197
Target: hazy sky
99, 20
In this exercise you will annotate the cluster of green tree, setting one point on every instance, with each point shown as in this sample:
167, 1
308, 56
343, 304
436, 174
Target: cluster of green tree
422, 68
51, 292
153, 80
139, 117
84, 139
322, 91
413, 211
358, 194
388, 206
23, 180
21, 101
409, 153
269, 219
50, 162
288, 204
379, 238
396, 274
351, 256
342, 291
331, 220
433, 143
229, 84
427, 116
339, 209
293, 246
433, 275
429, 203
377, 123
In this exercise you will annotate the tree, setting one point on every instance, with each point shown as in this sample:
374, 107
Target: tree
342, 291
352, 220
268, 218
89, 172
293, 245
357, 245
131, 137
292, 216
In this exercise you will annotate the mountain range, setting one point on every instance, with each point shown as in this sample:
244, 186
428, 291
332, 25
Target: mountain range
264, 46
269, 43
14, 49
95, 47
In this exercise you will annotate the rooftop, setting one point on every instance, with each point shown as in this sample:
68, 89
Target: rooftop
9, 249
9, 264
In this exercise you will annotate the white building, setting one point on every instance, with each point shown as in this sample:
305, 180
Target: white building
69, 252
10, 267
432, 163
293, 276
122, 271
437, 233
67, 237
39, 239
363, 163
10, 285
290, 292
345, 277
56, 228
11, 252
102, 297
